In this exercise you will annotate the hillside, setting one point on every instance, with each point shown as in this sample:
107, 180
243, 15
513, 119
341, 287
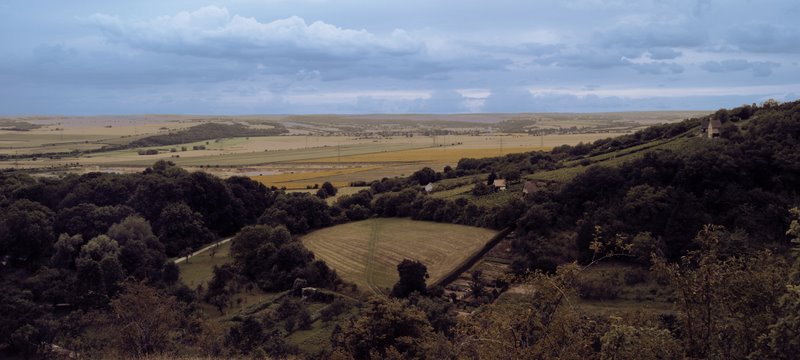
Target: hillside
207, 131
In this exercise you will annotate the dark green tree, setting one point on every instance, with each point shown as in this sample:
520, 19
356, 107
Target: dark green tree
327, 190
181, 228
492, 178
413, 275
26, 232
424, 176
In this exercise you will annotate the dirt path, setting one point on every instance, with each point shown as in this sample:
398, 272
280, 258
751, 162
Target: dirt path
370, 268
198, 252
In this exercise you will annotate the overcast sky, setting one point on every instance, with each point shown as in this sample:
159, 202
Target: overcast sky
411, 56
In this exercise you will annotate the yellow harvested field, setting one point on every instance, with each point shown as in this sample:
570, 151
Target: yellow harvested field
442, 154
367, 252
300, 180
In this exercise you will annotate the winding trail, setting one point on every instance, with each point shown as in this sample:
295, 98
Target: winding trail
198, 252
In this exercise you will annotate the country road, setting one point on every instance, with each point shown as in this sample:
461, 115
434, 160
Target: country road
198, 252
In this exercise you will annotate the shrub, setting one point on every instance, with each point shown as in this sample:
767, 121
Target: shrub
635, 276
606, 288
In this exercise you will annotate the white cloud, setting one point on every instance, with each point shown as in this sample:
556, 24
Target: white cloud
213, 31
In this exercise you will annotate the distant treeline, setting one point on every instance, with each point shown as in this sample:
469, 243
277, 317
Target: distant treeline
15, 125
207, 131
202, 132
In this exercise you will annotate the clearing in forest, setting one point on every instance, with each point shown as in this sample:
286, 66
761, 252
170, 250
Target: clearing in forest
367, 252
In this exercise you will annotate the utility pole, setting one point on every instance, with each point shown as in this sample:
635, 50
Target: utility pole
501, 146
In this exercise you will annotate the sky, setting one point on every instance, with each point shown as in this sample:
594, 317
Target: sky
413, 56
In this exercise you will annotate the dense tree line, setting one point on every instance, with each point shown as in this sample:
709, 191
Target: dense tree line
74, 244
745, 181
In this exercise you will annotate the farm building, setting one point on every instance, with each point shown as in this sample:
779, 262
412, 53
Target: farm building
429, 187
530, 187
500, 184
713, 128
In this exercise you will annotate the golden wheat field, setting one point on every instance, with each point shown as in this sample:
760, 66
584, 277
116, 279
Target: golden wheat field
367, 252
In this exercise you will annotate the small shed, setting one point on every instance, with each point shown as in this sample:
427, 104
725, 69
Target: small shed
429, 187
713, 128
530, 187
500, 184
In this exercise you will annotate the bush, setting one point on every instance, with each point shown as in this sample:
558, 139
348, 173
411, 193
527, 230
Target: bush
481, 189
605, 288
357, 212
336, 308
148, 152
635, 276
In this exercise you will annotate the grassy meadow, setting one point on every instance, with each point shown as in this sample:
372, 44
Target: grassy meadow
367, 252
199, 269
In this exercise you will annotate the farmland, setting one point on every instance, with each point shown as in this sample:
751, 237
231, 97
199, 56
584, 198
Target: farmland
313, 149
367, 252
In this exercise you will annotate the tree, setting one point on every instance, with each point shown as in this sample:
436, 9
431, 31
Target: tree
327, 190
424, 176
249, 337
26, 232
180, 228
252, 196
19, 326
255, 239
543, 326
491, 179
388, 327
481, 189
222, 286
783, 339
476, 285
145, 320
65, 251
716, 295
412, 278
132, 228
245, 336
298, 212
90, 220
99, 269
141, 253
625, 342
212, 199
511, 175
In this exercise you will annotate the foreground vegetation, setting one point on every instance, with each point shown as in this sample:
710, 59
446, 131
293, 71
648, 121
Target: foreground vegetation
708, 227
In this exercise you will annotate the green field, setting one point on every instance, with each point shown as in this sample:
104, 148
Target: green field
199, 269
367, 252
